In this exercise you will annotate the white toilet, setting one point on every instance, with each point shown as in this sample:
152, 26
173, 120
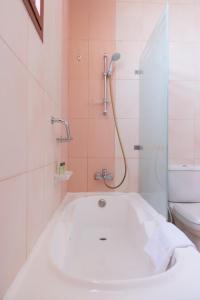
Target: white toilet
184, 197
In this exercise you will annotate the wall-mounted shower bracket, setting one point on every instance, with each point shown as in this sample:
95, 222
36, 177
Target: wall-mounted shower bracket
105, 75
104, 175
138, 147
68, 137
138, 72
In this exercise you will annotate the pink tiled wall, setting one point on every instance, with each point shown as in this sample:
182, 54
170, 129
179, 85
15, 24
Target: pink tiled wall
32, 88
97, 27
92, 33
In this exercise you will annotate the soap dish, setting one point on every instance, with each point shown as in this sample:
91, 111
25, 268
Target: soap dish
64, 177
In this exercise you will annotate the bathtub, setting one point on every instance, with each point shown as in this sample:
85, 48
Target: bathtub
90, 252
102, 245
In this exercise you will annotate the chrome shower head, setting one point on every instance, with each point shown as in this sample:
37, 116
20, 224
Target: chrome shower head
115, 57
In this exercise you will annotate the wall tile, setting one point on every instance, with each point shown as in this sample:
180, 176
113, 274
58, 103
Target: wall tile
183, 23
51, 132
36, 54
181, 139
78, 60
102, 10
129, 21
35, 128
182, 1
127, 98
151, 15
78, 146
52, 191
136, 20
79, 19
52, 58
183, 99
197, 162
78, 182
78, 98
12, 229
197, 138
13, 115
129, 131
184, 61
148, 1
197, 112
36, 206
101, 138
10, 31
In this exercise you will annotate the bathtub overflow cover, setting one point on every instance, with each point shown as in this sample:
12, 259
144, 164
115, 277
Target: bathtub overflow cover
102, 203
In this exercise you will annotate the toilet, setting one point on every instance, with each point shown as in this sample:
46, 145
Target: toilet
184, 199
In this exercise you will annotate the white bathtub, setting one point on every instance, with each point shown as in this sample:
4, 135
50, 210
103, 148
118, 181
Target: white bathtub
102, 245
71, 262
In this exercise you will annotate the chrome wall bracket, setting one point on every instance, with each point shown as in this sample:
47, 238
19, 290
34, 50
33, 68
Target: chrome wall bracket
138, 147
138, 72
105, 75
68, 137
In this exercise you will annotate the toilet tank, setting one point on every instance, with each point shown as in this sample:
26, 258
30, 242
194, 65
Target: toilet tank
184, 183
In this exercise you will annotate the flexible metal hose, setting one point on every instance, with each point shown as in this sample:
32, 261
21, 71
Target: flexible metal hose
119, 138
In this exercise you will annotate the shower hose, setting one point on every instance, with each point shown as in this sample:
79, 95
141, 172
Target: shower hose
119, 138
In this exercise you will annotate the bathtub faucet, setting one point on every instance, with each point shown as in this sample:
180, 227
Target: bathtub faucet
104, 174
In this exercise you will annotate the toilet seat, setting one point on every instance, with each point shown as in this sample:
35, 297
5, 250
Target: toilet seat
188, 214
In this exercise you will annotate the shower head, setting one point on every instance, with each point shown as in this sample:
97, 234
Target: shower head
115, 57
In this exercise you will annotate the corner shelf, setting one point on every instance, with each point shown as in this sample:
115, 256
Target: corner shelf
65, 177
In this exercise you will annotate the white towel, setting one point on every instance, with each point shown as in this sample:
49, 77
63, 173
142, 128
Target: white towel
162, 244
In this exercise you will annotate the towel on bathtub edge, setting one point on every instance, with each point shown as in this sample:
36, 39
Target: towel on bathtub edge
161, 246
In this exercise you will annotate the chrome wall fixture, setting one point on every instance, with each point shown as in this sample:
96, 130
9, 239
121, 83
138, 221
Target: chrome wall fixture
108, 71
105, 74
68, 137
104, 174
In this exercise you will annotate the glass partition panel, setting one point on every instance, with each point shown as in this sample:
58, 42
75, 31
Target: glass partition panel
153, 166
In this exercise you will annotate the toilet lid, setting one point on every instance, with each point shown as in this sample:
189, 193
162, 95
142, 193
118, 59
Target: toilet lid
188, 211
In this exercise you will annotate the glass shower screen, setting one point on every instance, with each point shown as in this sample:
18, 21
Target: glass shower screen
153, 165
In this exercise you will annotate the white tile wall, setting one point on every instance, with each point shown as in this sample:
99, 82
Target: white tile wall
12, 228
14, 22
127, 99
31, 91
35, 206
184, 89
13, 114
135, 22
